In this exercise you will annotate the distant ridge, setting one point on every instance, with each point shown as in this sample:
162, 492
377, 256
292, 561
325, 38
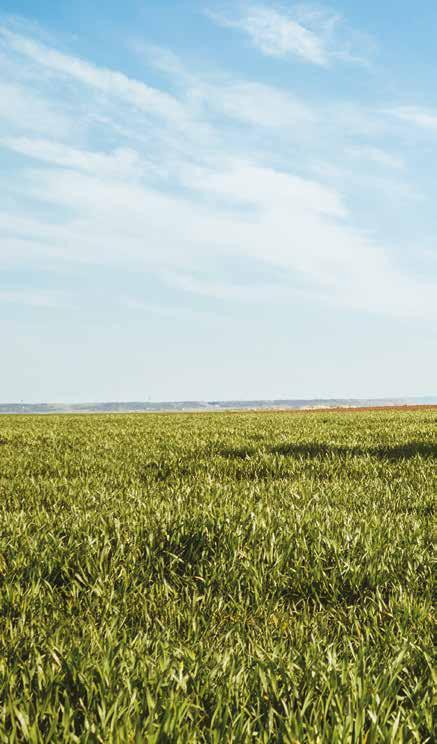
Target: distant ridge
214, 405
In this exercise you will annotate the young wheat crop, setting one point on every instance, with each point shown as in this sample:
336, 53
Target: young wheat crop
217, 577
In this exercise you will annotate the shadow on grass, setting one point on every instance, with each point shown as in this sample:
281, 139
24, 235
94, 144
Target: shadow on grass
238, 453
399, 452
314, 450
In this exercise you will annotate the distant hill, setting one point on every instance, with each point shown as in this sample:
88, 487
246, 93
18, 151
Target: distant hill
214, 405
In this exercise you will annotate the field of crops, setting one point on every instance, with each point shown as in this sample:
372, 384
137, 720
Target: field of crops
217, 577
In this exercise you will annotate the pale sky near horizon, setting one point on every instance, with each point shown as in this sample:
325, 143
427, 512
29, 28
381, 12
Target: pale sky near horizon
205, 199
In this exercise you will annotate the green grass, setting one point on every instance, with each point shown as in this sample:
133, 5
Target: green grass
217, 577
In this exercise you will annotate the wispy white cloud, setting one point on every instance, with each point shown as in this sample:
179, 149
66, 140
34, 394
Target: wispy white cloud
260, 105
122, 163
249, 102
420, 117
23, 110
137, 192
110, 82
370, 154
312, 34
252, 184
293, 224
276, 34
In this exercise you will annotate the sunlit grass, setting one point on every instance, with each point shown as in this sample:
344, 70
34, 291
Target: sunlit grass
217, 577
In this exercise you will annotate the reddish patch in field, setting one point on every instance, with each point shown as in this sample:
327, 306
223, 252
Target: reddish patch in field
339, 409
351, 409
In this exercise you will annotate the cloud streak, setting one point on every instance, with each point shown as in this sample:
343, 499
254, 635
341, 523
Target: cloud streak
419, 117
276, 35
310, 35
128, 189
110, 82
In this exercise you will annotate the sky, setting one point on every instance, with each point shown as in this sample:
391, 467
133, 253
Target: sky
205, 200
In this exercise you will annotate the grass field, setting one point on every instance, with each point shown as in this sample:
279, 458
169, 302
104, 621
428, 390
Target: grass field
217, 577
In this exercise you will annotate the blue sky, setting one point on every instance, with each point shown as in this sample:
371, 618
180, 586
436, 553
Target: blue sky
211, 200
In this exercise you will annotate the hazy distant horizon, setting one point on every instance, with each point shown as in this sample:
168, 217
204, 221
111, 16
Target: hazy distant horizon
210, 405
